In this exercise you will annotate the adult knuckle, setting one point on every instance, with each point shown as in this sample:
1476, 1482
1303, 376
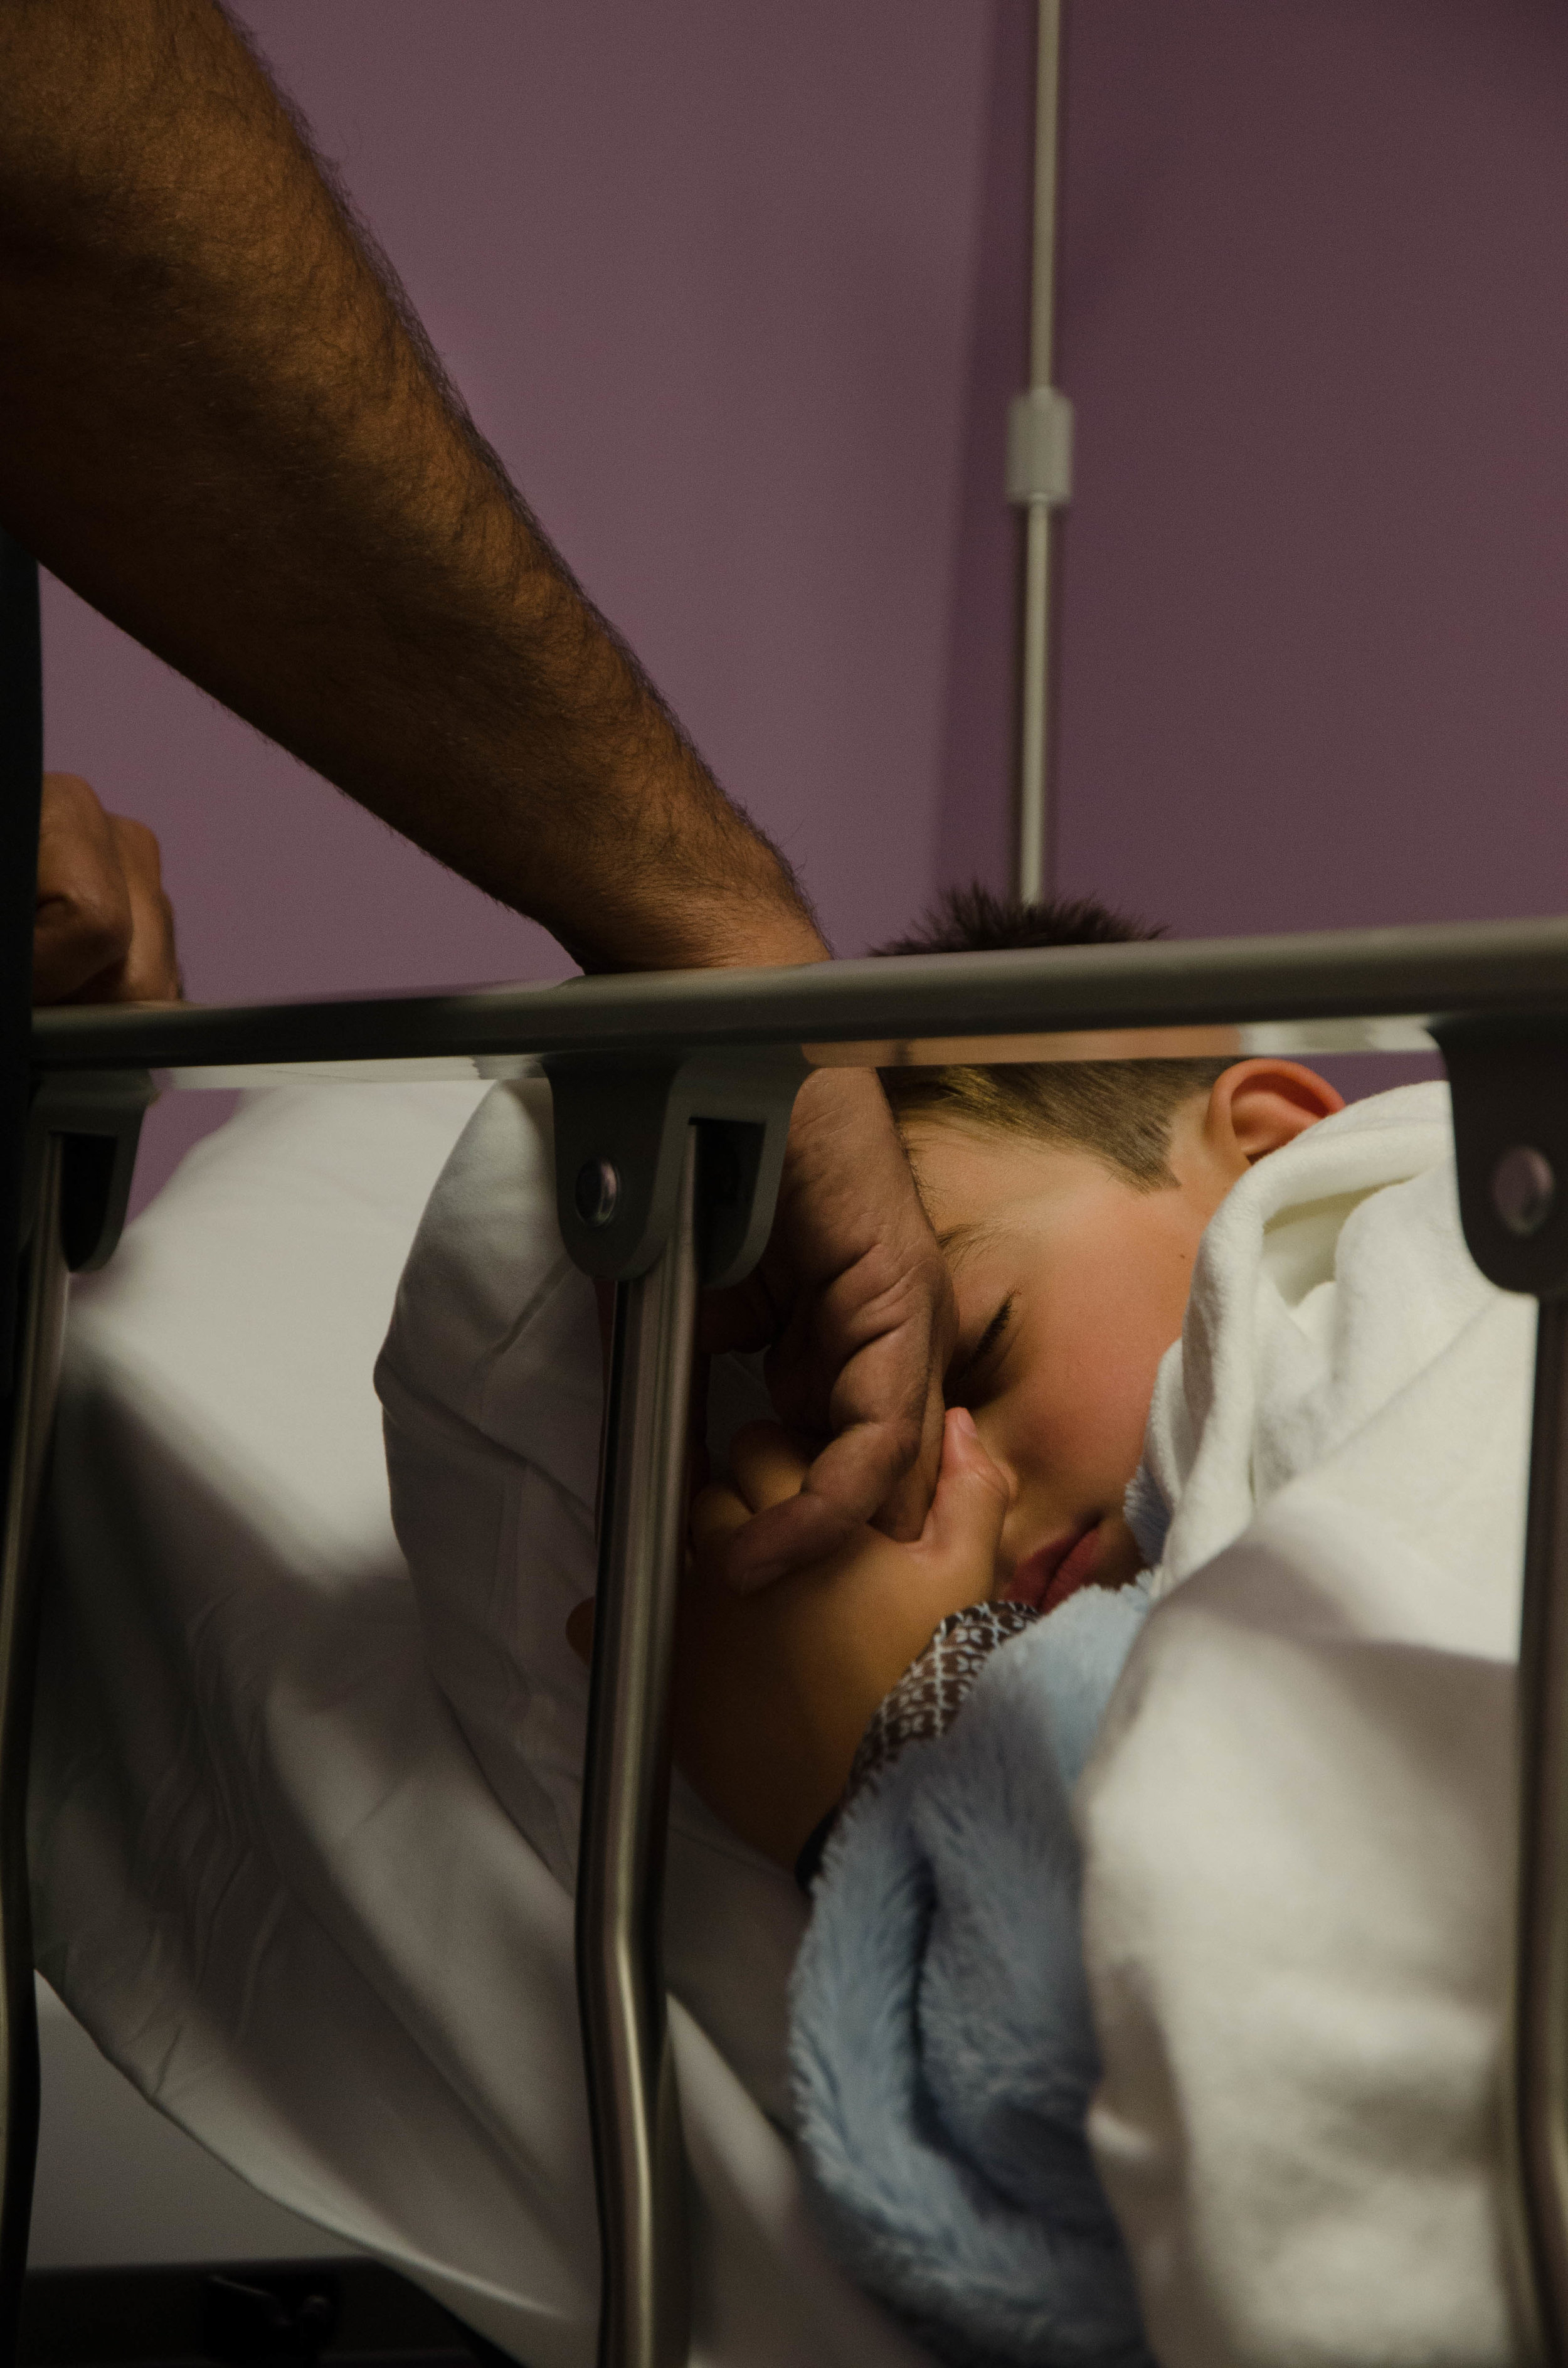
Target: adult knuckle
139, 844
877, 1293
95, 926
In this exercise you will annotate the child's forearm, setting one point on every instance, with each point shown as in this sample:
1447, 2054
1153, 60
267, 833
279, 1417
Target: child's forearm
774, 1691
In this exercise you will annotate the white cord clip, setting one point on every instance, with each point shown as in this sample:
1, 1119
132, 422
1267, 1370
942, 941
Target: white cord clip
1039, 449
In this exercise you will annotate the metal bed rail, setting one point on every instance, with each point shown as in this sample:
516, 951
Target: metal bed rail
672, 1099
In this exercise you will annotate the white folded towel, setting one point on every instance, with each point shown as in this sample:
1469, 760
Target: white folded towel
1297, 1823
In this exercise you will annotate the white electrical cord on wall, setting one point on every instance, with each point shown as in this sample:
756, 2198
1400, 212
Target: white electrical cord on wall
1040, 469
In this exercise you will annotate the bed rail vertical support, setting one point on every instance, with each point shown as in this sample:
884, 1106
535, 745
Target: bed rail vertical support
1510, 1091
80, 1152
40, 1333
21, 784
1538, 2098
666, 1177
639, 2163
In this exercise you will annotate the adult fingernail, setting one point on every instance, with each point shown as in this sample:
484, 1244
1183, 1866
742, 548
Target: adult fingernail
965, 1421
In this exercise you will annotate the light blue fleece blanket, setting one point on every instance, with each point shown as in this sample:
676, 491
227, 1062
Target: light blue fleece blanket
942, 2050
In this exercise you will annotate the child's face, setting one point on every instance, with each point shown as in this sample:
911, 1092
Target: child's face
1070, 1286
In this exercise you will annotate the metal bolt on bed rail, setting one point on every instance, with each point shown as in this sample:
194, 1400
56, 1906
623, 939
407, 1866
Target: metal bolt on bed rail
597, 1191
1524, 1189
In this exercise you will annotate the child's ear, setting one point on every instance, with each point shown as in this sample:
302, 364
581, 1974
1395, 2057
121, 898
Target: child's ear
1256, 1106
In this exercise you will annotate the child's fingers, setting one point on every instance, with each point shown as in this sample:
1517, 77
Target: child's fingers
964, 1526
767, 1463
717, 1512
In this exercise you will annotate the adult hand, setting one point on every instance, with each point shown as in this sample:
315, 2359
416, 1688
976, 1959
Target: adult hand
103, 930
853, 1304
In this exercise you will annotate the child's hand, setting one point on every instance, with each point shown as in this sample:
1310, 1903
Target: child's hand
773, 1690
957, 1548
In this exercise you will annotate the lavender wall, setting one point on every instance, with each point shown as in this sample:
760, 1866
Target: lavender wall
1315, 596
738, 292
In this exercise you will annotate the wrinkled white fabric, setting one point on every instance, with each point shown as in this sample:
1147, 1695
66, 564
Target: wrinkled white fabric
491, 1381
1297, 1822
269, 1875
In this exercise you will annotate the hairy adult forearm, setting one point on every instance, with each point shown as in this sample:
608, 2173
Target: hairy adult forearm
220, 425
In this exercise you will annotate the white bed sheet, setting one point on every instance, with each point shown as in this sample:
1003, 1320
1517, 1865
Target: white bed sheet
269, 1876
1299, 1821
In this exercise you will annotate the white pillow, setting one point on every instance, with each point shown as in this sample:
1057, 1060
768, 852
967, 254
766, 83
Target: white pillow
492, 1388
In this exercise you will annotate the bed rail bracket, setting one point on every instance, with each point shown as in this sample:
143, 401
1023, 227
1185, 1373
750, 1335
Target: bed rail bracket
620, 1129
1509, 1080
96, 1115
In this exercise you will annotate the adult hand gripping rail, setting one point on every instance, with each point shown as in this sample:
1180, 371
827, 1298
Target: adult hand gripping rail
672, 1096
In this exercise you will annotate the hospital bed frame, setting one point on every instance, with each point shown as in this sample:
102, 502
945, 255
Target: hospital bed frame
672, 1097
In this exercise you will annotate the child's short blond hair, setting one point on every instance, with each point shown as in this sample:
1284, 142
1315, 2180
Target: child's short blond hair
1120, 1111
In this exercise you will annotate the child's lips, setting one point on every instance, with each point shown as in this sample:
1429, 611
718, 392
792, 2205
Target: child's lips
1053, 1572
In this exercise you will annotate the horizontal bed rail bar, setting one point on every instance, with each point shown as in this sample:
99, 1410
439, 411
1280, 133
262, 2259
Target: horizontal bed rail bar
1278, 1037
1370, 989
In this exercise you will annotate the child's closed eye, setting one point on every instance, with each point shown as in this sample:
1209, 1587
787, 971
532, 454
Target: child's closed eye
971, 1369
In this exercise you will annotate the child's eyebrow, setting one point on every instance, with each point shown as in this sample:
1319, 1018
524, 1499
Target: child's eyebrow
957, 1241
